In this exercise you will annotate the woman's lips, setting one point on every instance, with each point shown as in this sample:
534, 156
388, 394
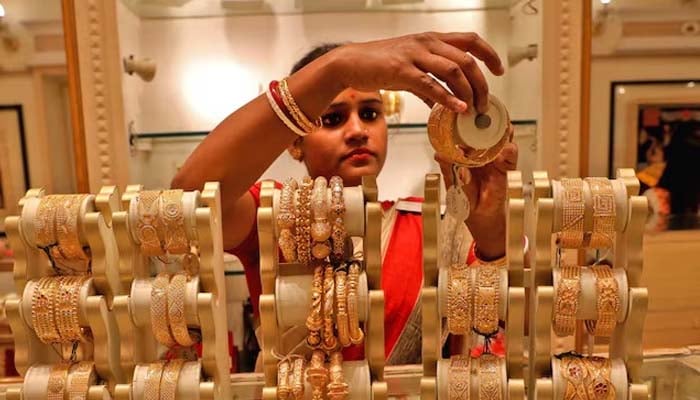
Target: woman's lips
359, 156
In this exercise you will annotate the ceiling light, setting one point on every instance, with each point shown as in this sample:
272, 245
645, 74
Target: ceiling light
605, 2
2, 11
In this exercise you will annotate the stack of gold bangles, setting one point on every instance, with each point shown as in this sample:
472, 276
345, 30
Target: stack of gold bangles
587, 377
56, 309
572, 234
488, 370
168, 321
58, 233
72, 379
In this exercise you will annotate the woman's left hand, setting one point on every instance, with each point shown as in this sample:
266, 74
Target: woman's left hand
487, 189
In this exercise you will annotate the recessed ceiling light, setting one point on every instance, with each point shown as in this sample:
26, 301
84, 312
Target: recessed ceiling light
2, 11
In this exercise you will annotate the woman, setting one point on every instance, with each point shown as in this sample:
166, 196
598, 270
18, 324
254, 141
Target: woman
341, 85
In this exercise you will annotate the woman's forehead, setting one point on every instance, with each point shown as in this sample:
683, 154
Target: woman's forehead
351, 95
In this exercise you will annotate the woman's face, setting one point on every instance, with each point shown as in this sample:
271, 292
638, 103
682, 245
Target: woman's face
353, 140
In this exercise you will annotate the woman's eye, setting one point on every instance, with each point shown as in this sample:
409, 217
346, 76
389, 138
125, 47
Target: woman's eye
369, 114
332, 119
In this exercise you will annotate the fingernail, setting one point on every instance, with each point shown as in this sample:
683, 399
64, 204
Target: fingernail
459, 106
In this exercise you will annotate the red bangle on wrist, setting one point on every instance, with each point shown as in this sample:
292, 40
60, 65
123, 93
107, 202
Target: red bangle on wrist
275, 91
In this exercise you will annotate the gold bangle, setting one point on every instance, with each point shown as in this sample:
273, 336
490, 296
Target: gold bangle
599, 384
283, 389
43, 317
297, 382
299, 117
69, 252
459, 303
44, 221
148, 228
317, 374
67, 308
285, 221
314, 322
303, 221
329, 340
154, 375
441, 125
356, 334
337, 388
573, 206
459, 377
487, 299
171, 374
604, 213
176, 310
607, 304
339, 233
159, 310
575, 372
320, 228
80, 377
341, 305
172, 219
58, 376
566, 306
489, 377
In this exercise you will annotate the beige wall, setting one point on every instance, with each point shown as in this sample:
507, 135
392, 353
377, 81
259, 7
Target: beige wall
605, 70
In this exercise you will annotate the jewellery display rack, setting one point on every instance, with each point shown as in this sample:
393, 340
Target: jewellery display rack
625, 350
435, 381
204, 302
286, 291
93, 228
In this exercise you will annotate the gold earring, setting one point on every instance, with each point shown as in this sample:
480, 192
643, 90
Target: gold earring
296, 153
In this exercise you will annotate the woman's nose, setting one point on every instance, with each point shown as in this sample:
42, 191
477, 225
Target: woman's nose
355, 128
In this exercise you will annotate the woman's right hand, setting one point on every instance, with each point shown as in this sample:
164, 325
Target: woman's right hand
404, 63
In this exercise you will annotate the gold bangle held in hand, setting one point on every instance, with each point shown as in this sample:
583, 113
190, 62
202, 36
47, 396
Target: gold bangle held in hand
176, 310
566, 305
573, 207
159, 310
285, 221
459, 377
459, 302
172, 217
607, 303
604, 213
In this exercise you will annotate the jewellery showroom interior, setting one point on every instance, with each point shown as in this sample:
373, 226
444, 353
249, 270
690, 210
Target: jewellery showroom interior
542, 244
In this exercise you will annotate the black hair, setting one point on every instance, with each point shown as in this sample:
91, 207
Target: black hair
315, 53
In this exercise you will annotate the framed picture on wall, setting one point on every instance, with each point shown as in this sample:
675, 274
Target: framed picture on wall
655, 128
14, 178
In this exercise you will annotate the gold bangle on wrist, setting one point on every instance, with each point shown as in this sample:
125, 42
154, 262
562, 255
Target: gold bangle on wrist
154, 376
459, 302
487, 299
176, 310
573, 206
317, 374
172, 218
159, 310
337, 387
320, 227
604, 213
285, 221
299, 117
58, 378
573, 370
566, 305
303, 221
283, 389
339, 233
171, 374
43, 317
459, 377
599, 385
356, 334
607, 303
329, 340
341, 305
148, 229
489, 377
80, 377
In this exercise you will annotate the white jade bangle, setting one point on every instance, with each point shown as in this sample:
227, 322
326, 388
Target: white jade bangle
281, 115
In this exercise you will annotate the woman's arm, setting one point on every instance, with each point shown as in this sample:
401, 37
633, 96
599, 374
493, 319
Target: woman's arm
245, 144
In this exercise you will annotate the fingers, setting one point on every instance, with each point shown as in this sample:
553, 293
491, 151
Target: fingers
428, 89
508, 159
450, 72
470, 70
475, 45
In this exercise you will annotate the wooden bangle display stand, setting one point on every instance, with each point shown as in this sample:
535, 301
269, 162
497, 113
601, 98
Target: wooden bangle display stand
626, 260
285, 297
96, 299
434, 382
205, 300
